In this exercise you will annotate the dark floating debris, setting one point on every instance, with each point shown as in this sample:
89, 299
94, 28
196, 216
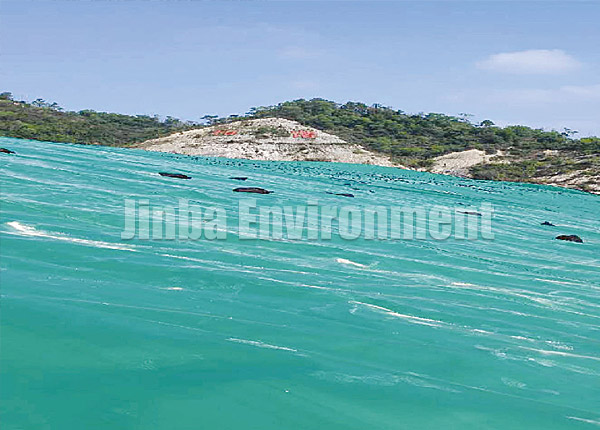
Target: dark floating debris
341, 194
6, 151
254, 190
548, 223
174, 175
239, 178
469, 213
570, 238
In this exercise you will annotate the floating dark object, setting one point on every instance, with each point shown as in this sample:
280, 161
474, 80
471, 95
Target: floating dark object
6, 151
174, 175
548, 223
570, 238
341, 194
239, 178
254, 190
470, 213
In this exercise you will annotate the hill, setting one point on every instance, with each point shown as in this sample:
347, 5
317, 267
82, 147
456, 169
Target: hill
41, 120
265, 139
351, 132
513, 153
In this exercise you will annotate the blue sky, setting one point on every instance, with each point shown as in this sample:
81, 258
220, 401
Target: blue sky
532, 63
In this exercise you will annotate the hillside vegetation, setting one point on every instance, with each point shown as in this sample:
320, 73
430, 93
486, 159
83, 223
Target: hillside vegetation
413, 140
416, 139
46, 121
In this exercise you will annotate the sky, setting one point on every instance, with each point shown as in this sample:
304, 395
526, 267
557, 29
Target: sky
531, 63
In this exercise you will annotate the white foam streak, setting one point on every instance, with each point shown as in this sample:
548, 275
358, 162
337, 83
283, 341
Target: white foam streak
409, 318
25, 230
585, 420
561, 353
350, 263
261, 344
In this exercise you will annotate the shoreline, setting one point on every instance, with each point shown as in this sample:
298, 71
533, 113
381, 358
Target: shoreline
143, 147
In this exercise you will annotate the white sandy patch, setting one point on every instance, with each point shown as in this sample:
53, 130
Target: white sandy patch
573, 180
274, 139
459, 163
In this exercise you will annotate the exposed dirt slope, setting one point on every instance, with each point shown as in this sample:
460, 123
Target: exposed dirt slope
265, 139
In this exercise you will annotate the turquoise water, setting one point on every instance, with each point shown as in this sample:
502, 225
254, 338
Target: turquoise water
98, 333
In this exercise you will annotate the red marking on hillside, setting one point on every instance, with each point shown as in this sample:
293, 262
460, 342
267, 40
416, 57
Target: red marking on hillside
304, 134
224, 132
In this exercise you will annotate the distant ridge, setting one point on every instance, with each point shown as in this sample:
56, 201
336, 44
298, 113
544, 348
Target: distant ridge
322, 130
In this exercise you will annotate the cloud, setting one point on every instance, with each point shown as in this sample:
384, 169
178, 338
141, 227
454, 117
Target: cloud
534, 61
565, 94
